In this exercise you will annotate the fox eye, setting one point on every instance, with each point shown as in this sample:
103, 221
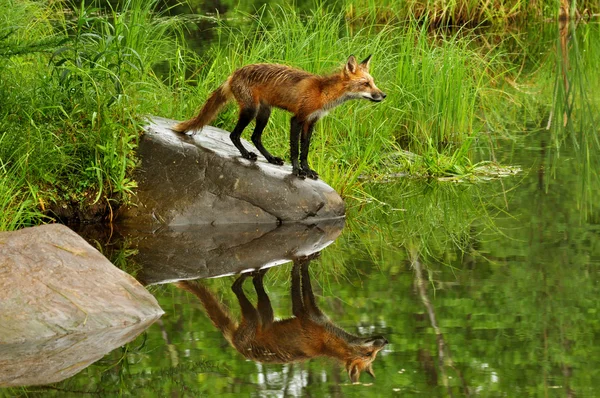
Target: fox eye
366, 84
368, 354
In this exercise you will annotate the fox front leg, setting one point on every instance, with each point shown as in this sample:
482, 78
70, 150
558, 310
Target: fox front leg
295, 131
307, 131
265, 310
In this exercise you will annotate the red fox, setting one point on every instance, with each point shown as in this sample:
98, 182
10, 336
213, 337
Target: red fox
256, 88
308, 334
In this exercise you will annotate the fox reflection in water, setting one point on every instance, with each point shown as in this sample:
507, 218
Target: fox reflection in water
308, 334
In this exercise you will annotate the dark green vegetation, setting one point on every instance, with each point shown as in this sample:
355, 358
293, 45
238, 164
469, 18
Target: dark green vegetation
76, 84
505, 272
74, 87
496, 13
68, 119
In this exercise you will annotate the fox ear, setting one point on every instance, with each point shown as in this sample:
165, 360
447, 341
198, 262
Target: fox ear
351, 64
366, 62
354, 373
369, 370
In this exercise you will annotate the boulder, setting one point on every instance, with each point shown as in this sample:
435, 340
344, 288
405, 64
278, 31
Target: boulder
201, 180
63, 305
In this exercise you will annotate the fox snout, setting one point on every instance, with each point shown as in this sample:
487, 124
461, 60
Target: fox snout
378, 96
378, 341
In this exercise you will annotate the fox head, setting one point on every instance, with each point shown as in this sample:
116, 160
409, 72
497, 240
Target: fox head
364, 352
359, 83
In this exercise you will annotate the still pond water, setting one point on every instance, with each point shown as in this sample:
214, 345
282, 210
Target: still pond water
488, 289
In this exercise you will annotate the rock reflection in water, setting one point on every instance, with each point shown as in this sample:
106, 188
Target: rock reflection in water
166, 254
192, 252
308, 334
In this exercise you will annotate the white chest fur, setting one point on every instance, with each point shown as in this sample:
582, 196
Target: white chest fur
316, 115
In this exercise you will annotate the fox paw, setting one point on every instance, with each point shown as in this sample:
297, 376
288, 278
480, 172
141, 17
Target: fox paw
301, 174
312, 174
309, 257
258, 274
314, 255
250, 156
276, 160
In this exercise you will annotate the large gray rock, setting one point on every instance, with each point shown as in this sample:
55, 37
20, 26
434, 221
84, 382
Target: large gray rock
202, 180
63, 305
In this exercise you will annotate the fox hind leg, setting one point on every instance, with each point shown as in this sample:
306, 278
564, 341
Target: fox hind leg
249, 313
262, 118
246, 116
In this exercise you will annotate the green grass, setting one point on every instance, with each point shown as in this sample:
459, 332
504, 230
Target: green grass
76, 85
437, 87
18, 204
72, 95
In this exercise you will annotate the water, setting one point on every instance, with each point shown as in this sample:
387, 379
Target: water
486, 289
501, 279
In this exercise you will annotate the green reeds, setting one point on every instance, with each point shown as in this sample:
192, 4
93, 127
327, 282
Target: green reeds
18, 205
70, 113
466, 12
572, 113
435, 87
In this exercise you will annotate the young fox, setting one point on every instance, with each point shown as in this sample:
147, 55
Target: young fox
306, 335
257, 88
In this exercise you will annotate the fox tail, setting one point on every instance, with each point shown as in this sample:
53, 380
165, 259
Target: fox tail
217, 313
209, 111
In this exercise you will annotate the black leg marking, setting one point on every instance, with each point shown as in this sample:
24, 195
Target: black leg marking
246, 116
262, 118
297, 302
308, 297
295, 130
304, 146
